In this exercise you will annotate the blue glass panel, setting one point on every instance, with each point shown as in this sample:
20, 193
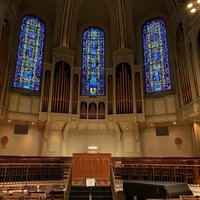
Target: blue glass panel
93, 63
156, 58
30, 52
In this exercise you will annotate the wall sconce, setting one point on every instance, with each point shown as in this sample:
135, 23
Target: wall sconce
178, 142
4, 141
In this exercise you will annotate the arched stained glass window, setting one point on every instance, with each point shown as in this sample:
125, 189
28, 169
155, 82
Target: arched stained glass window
93, 62
156, 58
30, 53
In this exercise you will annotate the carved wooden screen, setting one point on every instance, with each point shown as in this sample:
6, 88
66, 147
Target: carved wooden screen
91, 165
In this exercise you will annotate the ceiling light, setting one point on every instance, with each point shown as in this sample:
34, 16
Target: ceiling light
190, 5
193, 6
193, 10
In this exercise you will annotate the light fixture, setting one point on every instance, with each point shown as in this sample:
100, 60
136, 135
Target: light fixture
193, 10
92, 149
190, 5
193, 6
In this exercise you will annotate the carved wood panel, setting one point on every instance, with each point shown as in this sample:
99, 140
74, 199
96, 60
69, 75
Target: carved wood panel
91, 165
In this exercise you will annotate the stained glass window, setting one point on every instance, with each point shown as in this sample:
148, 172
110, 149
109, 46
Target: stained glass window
156, 58
30, 54
93, 62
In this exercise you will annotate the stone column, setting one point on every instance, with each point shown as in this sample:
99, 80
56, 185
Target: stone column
64, 139
137, 140
52, 139
66, 23
121, 23
45, 147
196, 138
119, 141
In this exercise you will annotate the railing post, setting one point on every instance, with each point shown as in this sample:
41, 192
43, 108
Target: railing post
26, 174
196, 171
4, 179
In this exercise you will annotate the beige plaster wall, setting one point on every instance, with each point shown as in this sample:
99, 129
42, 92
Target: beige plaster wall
162, 146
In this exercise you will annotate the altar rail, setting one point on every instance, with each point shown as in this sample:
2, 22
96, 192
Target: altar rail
158, 169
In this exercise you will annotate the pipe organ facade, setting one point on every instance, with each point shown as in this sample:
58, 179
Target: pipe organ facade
99, 73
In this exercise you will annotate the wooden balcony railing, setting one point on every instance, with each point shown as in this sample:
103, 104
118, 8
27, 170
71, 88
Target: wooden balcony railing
33, 172
33, 169
157, 172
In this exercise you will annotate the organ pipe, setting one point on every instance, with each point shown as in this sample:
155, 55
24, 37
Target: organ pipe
75, 94
123, 90
64, 95
181, 66
193, 70
110, 94
46, 90
185, 86
185, 68
138, 92
3, 54
124, 93
61, 88
63, 77
128, 94
131, 95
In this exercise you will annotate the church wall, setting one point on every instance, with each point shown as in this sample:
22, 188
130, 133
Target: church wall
79, 140
21, 144
65, 139
130, 146
161, 105
24, 104
161, 146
